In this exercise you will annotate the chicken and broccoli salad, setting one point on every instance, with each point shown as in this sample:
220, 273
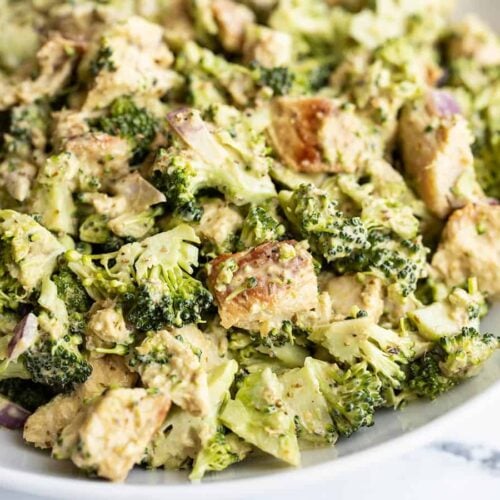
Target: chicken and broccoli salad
230, 226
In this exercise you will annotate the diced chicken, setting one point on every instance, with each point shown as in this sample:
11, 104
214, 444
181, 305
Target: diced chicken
436, 146
68, 124
182, 377
270, 48
472, 39
44, 426
218, 223
102, 157
351, 293
132, 194
231, 19
106, 326
179, 27
139, 60
470, 247
17, 176
56, 60
212, 346
313, 134
260, 288
114, 431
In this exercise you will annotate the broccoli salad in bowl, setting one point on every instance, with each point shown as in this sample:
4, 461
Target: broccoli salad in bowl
238, 226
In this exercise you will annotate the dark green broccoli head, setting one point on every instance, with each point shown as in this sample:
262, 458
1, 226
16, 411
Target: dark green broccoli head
26, 393
72, 292
425, 379
177, 179
465, 353
355, 394
58, 364
279, 79
258, 227
316, 218
103, 60
176, 300
125, 119
396, 260
452, 360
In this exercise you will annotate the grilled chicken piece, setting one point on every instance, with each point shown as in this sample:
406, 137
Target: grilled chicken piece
472, 39
260, 288
351, 293
44, 426
436, 146
470, 247
313, 134
110, 435
270, 48
232, 19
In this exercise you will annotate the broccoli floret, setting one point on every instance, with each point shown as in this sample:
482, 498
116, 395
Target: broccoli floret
181, 172
54, 359
103, 60
425, 379
352, 395
355, 340
26, 393
258, 227
27, 131
152, 279
453, 359
28, 252
52, 195
77, 301
58, 364
279, 79
125, 119
465, 354
315, 217
396, 260
221, 451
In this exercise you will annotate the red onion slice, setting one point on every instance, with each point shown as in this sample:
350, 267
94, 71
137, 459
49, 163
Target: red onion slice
12, 416
443, 103
189, 125
25, 334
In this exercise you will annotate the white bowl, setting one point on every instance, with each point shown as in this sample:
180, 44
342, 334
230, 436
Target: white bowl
25, 469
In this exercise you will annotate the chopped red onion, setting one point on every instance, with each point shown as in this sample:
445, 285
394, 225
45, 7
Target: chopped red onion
25, 334
12, 416
189, 125
443, 103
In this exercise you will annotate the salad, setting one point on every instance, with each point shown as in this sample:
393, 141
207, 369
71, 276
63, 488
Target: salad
229, 226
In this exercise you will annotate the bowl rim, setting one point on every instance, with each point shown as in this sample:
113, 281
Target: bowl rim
75, 488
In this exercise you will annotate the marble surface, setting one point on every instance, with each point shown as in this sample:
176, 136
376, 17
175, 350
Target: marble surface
463, 462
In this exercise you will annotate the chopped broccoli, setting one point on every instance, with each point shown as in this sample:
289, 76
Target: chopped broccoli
258, 227
52, 196
330, 233
77, 301
28, 252
181, 172
55, 359
352, 395
125, 119
103, 60
152, 279
26, 393
279, 79
453, 359
354, 340
398, 261
258, 415
221, 451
